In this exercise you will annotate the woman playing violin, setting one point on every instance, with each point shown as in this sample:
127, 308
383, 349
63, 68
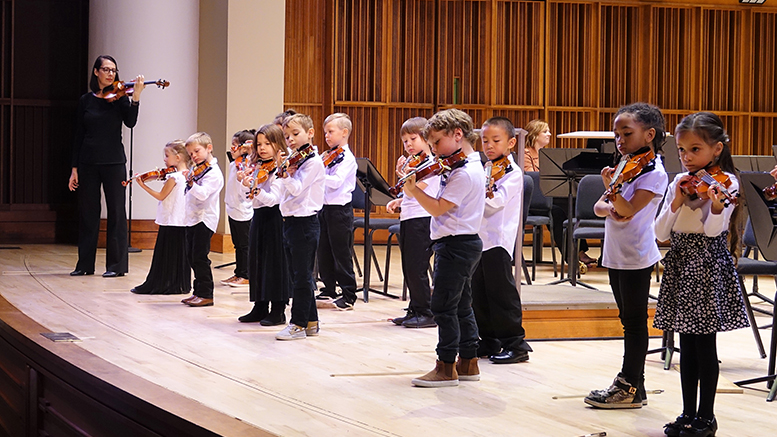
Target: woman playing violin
99, 159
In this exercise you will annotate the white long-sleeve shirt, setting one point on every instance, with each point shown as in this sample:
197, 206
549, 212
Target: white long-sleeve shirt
202, 199
302, 194
238, 207
341, 179
694, 216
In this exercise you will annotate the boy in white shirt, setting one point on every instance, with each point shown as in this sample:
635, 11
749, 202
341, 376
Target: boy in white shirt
202, 215
335, 265
302, 196
495, 299
456, 212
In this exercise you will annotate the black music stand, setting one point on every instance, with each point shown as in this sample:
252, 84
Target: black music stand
766, 237
560, 173
131, 249
376, 192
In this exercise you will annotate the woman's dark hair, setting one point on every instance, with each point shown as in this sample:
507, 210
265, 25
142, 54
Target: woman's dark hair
93, 84
709, 127
648, 116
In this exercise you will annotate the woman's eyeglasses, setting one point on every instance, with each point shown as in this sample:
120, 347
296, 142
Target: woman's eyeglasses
107, 70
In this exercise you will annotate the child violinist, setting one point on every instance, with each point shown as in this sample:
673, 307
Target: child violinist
170, 272
630, 248
700, 293
456, 211
335, 265
495, 300
415, 244
239, 208
266, 258
203, 184
302, 196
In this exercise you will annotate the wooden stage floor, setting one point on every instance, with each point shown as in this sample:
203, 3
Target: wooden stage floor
354, 379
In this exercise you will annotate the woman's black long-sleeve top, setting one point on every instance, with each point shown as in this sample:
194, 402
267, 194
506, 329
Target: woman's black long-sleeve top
98, 130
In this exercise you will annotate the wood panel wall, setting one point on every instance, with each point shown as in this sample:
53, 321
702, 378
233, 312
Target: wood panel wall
572, 63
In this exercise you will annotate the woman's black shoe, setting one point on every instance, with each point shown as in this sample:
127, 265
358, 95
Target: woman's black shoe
77, 272
673, 429
256, 314
112, 274
700, 428
274, 319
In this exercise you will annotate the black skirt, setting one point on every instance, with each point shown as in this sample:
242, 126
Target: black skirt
170, 272
267, 268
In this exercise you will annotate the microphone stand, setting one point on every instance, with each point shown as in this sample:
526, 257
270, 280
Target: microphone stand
131, 249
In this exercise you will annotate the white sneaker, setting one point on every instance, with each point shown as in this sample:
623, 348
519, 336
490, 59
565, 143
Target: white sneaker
312, 329
291, 332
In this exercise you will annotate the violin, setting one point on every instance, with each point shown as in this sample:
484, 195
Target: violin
234, 149
414, 161
197, 172
333, 157
261, 174
770, 192
157, 174
295, 159
436, 167
119, 89
698, 186
496, 170
629, 167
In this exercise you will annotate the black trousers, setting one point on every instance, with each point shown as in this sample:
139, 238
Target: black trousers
631, 288
198, 248
90, 177
415, 245
497, 304
455, 259
335, 265
300, 238
239, 231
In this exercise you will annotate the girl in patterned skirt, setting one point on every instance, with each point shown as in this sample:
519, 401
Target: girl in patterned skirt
700, 293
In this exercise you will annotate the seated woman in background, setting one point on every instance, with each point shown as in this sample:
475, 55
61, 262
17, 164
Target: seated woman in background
537, 137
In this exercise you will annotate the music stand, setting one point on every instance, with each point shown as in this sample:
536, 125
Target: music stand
766, 237
131, 249
560, 173
376, 192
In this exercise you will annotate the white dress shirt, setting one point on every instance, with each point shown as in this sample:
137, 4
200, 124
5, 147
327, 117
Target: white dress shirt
202, 199
502, 213
302, 194
238, 207
341, 179
411, 208
465, 187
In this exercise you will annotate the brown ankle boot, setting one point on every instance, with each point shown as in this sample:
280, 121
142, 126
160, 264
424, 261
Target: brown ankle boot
443, 375
468, 369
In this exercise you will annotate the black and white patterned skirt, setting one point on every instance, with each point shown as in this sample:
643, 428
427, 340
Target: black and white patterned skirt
700, 288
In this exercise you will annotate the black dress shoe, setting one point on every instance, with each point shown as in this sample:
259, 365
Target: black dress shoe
77, 272
700, 428
110, 274
674, 429
509, 357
